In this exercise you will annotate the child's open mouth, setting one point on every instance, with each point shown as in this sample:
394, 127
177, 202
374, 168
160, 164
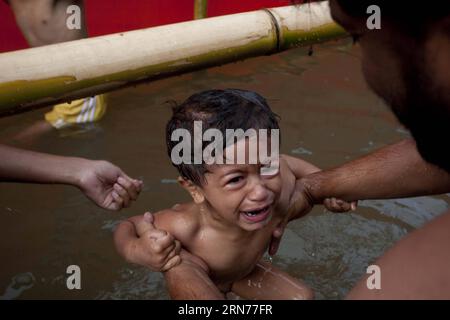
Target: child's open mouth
256, 215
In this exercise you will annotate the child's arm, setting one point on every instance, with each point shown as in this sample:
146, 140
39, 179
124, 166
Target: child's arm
301, 168
139, 242
301, 201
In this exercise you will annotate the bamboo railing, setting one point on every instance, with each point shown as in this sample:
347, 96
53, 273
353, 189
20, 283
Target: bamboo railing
62, 72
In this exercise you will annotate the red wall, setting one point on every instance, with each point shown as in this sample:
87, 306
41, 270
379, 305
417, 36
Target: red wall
10, 36
110, 16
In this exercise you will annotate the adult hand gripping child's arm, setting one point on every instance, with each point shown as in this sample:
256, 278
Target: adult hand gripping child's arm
139, 242
301, 202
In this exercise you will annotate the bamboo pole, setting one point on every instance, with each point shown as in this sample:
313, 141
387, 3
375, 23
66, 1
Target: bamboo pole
61, 72
200, 9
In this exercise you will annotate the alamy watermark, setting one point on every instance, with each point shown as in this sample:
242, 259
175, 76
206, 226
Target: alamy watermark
374, 20
73, 21
374, 280
74, 279
262, 146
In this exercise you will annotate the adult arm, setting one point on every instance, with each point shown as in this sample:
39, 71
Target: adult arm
394, 171
102, 182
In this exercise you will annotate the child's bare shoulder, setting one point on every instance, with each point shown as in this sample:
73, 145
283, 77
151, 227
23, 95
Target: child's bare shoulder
286, 170
181, 221
288, 181
284, 162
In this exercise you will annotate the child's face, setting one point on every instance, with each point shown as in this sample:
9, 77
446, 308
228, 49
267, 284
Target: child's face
243, 194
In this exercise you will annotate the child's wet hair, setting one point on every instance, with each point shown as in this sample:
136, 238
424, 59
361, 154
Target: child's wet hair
218, 109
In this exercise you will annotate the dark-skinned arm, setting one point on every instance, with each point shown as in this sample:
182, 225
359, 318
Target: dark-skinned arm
394, 171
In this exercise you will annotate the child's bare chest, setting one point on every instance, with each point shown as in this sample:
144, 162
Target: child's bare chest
230, 260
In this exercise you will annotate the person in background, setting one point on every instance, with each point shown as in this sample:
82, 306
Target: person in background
44, 22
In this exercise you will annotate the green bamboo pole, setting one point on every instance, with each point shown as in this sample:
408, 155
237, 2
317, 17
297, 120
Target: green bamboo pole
62, 72
200, 9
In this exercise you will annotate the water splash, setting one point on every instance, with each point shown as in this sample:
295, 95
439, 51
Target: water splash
19, 283
301, 150
110, 224
169, 181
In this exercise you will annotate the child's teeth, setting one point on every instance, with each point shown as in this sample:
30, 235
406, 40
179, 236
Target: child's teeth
254, 213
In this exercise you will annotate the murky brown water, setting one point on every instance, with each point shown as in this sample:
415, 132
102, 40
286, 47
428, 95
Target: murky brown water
328, 117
